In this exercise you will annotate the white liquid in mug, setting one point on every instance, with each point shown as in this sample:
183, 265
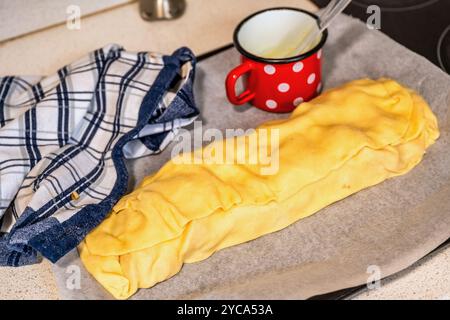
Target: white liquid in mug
277, 33
288, 47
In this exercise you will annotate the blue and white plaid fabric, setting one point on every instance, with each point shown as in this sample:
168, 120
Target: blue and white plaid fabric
63, 140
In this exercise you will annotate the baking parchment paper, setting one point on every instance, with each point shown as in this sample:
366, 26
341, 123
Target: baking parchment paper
388, 226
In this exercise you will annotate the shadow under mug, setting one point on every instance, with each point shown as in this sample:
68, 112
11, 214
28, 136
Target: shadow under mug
275, 84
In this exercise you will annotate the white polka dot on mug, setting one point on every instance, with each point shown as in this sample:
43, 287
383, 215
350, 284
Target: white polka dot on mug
270, 69
271, 104
311, 78
297, 101
283, 87
319, 87
297, 67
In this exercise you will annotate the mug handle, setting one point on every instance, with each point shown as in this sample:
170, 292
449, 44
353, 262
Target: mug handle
230, 84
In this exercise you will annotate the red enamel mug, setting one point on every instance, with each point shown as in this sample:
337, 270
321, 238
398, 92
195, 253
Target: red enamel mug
276, 84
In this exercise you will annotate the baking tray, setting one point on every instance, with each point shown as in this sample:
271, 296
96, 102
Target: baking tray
411, 212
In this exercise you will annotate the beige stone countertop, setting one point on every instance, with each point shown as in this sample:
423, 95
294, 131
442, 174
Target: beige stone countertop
39, 42
427, 279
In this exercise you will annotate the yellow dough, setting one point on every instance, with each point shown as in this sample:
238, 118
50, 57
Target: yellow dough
345, 140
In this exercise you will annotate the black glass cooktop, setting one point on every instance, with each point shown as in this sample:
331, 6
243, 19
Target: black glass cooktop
421, 25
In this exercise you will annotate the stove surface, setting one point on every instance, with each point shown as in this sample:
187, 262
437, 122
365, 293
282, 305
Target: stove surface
421, 25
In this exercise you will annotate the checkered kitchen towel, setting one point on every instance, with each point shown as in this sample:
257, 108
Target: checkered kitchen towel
63, 140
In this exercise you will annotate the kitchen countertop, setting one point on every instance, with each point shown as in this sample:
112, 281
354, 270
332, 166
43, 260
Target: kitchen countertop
42, 48
428, 278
